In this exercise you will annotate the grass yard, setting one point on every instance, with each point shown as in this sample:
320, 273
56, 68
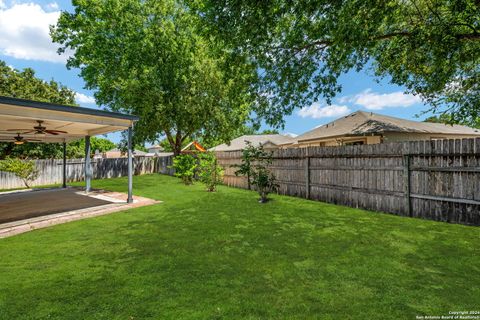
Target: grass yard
222, 255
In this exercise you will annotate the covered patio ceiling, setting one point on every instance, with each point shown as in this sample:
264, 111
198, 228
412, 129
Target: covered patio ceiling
33, 121
76, 122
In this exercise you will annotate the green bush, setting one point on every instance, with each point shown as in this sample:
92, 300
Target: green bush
255, 162
209, 172
264, 182
23, 169
185, 165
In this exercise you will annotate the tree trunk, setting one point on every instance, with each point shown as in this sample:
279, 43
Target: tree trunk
177, 149
263, 197
177, 143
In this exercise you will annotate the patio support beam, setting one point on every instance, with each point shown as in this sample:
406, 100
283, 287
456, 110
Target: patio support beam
64, 165
130, 166
88, 167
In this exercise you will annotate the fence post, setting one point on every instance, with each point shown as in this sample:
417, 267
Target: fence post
406, 181
307, 175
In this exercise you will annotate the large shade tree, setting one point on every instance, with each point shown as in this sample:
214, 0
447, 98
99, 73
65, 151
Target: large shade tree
302, 47
152, 59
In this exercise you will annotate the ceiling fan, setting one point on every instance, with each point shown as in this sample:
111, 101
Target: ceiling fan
39, 130
21, 140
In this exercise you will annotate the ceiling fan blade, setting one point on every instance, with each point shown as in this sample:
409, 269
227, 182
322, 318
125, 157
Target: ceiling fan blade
19, 130
59, 131
55, 131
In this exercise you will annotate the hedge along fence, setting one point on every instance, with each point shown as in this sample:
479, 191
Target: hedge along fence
51, 170
437, 180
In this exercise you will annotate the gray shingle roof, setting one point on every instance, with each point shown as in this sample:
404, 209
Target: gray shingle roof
361, 123
259, 139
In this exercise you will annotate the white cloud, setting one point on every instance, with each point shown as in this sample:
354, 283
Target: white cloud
24, 32
344, 99
52, 6
83, 98
2, 4
317, 111
378, 101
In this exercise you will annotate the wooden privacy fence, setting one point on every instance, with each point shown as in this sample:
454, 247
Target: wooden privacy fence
50, 170
437, 180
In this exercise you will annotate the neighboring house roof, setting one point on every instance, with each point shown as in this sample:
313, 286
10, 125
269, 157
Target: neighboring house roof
159, 154
118, 153
156, 147
113, 152
256, 140
367, 123
139, 153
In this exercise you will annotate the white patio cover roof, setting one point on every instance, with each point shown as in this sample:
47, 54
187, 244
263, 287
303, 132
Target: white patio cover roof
78, 122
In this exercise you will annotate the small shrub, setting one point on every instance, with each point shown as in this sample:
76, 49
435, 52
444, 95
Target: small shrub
255, 162
264, 182
249, 153
185, 165
209, 172
23, 169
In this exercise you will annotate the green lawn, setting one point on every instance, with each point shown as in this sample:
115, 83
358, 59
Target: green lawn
222, 255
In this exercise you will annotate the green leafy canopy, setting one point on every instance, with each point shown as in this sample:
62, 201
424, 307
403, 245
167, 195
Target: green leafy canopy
152, 59
302, 47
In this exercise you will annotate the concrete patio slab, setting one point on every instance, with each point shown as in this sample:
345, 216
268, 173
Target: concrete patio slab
25, 211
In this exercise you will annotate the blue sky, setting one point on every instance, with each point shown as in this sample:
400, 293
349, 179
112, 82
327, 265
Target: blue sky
24, 42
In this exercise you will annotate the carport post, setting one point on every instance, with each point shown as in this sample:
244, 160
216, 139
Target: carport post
130, 166
64, 165
88, 169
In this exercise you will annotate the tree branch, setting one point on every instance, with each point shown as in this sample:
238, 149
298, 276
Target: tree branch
468, 36
185, 136
169, 137
178, 139
325, 43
